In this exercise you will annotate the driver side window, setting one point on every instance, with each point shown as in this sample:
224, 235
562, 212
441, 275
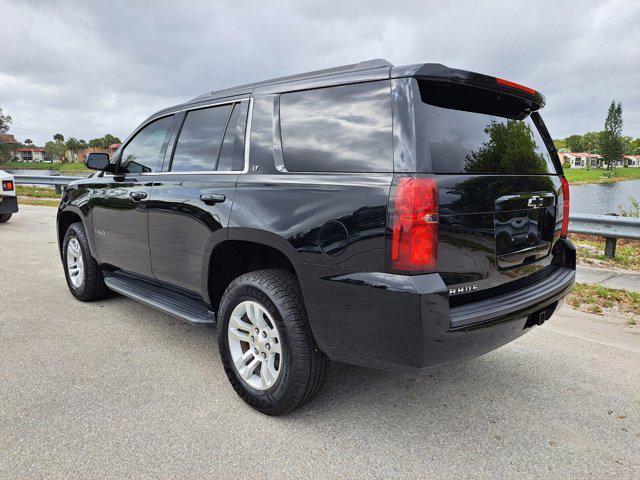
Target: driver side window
143, 153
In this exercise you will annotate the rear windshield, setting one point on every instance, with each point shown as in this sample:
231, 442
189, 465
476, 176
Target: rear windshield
480, 132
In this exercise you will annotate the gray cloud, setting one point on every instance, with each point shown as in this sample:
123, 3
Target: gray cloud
87, 68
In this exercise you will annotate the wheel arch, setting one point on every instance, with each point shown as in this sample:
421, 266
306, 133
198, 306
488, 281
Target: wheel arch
245, 250
66, 218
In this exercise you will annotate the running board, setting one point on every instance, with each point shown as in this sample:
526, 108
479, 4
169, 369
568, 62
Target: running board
167, 301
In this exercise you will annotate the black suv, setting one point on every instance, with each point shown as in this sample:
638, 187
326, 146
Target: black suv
390, 217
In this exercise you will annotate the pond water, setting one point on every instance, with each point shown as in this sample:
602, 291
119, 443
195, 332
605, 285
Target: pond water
603, 198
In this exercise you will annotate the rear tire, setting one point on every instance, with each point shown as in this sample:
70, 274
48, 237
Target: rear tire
5, 217
300, 365
83, 274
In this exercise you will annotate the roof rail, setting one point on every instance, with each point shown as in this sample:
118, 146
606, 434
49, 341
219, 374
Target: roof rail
353, 67
374, 63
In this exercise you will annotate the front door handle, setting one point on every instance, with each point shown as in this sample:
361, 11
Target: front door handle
212, 198
137, 196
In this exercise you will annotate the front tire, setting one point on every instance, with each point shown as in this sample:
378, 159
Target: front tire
83, 274
5, 217
266, 345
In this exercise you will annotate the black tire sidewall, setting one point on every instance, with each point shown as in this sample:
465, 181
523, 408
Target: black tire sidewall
73, 232
5, 217
263, 400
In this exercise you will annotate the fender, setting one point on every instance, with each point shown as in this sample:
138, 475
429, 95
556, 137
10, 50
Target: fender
75, 199
265, 238
252, 235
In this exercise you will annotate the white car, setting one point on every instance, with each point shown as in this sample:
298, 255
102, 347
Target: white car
8, 199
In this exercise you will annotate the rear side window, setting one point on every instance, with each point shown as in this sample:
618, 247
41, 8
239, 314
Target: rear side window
481, 134
338, 129
200, 139
142, 153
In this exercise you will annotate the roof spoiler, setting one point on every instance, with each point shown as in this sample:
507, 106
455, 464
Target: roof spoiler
437, 72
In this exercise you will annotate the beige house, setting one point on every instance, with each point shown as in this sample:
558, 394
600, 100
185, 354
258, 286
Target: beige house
631, 160
81, 155
112, 148
581, 160
29, 155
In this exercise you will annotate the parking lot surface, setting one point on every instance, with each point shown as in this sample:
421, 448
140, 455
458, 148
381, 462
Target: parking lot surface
115, 389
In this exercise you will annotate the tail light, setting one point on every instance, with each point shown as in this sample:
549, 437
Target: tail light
565, 207
7, 185
414, 224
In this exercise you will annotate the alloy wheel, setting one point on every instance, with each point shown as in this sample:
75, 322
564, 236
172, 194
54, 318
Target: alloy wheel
254, 344
75, 263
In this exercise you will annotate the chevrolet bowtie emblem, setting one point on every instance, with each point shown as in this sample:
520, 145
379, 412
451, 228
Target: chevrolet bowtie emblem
535, 201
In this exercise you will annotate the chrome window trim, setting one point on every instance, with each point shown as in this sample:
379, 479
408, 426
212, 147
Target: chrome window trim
278, 155
247, 143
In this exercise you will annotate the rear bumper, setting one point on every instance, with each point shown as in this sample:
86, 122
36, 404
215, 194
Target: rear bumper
8, 205
405, 323
521, 302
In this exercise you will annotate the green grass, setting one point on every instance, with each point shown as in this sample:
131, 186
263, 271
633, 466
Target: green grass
42, 202
591, 252
59, 167
577, 176
35, 192
598, 299
37, 196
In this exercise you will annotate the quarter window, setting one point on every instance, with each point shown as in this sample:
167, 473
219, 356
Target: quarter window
200, 139
338, 129
232, 152
142, 153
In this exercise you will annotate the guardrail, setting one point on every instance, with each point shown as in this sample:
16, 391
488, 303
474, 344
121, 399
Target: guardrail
58, 181
611, 227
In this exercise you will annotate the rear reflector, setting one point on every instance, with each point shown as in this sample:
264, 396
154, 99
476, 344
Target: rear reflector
565, 207
414, 223
7, 185
507, 83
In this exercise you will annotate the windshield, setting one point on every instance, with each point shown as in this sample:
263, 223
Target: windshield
481, 135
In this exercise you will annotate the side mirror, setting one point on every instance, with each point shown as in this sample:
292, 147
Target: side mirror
97, 161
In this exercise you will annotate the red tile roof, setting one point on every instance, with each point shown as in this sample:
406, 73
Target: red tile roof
587, 155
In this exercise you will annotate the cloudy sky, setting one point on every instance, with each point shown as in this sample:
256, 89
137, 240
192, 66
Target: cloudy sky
87, 68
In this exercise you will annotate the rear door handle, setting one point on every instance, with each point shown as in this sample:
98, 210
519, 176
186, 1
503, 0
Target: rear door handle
137, 196
212, 198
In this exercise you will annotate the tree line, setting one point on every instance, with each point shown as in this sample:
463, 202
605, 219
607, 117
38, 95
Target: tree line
58, 148
591, 142
54, 149
610, 143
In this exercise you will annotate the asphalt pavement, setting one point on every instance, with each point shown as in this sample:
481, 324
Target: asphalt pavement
114, 389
